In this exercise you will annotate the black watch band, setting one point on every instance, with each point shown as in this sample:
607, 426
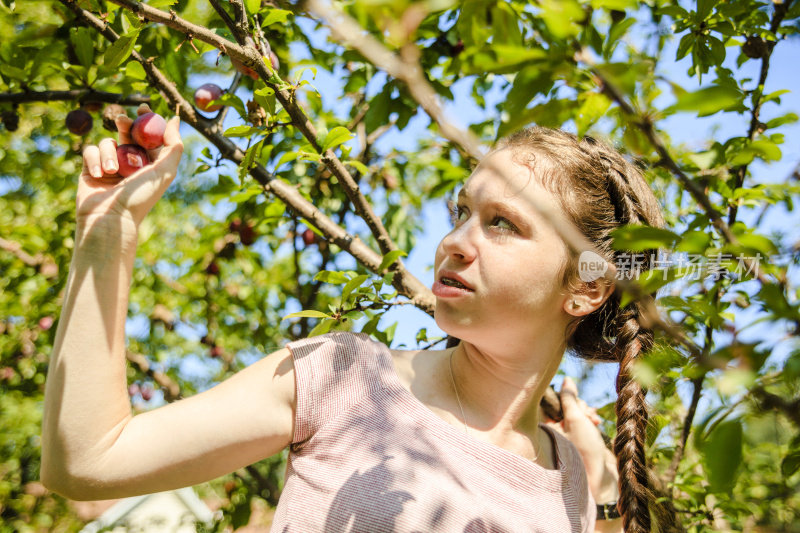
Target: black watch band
607, 511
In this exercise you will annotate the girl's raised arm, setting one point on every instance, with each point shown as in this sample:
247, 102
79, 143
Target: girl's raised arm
92, 446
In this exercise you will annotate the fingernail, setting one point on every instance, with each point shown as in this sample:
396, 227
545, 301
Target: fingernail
97, 171
111, 165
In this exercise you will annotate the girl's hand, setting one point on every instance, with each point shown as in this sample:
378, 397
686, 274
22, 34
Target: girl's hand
103, 192
580, 427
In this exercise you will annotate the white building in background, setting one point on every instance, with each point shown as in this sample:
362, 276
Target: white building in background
174, 511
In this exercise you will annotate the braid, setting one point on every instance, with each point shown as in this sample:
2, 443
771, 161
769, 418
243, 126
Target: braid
632, 416
631, 341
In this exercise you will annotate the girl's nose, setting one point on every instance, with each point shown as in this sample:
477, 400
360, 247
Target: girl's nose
459, 243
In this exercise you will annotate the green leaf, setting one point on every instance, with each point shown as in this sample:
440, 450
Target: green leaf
722, 455
501, 58
352, 284
245, 195
249, 159
561, 17
241, 131
252, 6
322, 328
619, 5
332, 277
135, 70
229, 99
788, 118
120, 50
390, 258
161, 3
358, 165
240, 516
308, 313
707, 101
685, 46
790, 463
265, 97
637, 238
81, 39
762, 148
694, 242
287, 157
335, 137
275, 15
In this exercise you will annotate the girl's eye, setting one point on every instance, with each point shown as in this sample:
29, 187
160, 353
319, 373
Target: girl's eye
503, 224
457, 212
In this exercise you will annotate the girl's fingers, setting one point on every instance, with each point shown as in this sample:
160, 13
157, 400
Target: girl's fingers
123, 123
142, 109
108, 155
91, 161
170, 154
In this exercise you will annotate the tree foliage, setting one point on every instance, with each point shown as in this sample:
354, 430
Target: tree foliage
224, 258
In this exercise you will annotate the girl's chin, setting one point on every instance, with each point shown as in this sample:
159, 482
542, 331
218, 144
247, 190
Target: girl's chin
462, 329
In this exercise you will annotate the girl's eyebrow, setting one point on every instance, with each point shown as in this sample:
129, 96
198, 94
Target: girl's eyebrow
522, 220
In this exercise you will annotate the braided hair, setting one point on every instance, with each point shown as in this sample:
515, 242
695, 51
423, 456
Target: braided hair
599, 190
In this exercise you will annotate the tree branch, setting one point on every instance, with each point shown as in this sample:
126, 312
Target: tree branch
44, 264
767, 400
172, 391
249, 56
777, 17
81, 95
687, 428
404, 281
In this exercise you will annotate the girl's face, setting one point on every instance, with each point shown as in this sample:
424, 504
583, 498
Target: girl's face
498, 272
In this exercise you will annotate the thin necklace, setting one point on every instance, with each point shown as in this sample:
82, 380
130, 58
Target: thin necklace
453, 379
456, 389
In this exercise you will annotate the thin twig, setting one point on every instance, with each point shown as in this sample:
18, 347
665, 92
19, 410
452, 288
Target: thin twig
780, 10
687, 428
80, 95
172, 391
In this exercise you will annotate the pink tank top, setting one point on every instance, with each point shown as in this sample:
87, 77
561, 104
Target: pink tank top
367, 456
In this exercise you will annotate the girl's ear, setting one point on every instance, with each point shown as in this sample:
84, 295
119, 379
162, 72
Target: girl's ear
588, 298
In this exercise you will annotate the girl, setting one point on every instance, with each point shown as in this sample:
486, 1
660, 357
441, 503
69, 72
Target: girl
380, 439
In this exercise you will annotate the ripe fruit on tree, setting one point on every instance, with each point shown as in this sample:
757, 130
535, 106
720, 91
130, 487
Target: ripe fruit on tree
133, 389
79, 122
247, 235
148, 130
131, 158
205, 94
147, 393
247, 71
92, 107
215, 351
10, 119
273, 59
110, 113
212, 269
309, 237
46, 322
